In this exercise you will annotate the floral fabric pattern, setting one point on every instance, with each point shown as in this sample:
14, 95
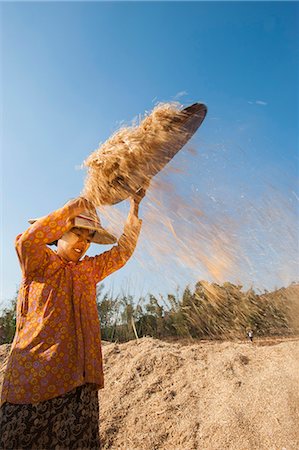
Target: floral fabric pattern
57, 345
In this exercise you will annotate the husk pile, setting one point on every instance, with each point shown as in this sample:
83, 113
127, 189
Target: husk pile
133, 155
200, 395
190, 395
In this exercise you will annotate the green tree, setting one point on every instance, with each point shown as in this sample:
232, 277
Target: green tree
8, 322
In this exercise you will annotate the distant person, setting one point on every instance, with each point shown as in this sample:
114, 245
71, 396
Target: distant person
250, 335
50, 391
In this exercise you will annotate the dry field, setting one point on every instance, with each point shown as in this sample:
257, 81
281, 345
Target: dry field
199, 395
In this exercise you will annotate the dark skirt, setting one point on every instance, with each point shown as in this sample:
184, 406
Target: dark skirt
70, 421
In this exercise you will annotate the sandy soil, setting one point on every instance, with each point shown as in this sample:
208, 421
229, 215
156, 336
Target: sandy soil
199, 395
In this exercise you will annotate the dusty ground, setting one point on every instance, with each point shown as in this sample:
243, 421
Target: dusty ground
200, 395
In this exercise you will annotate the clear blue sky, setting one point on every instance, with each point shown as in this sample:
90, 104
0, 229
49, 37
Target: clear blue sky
72, 72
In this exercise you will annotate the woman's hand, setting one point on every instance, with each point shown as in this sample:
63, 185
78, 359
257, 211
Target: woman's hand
79, 205
138, 196
135, 201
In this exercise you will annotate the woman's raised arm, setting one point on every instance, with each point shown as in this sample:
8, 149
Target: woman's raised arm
31, 245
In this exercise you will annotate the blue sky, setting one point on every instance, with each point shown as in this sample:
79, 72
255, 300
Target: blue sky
72, 73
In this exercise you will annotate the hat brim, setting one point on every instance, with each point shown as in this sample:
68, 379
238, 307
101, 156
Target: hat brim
101, 236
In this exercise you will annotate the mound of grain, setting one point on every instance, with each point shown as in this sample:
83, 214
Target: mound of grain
204, 395
199, 395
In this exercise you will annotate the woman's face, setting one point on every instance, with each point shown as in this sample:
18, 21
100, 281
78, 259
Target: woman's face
74, 243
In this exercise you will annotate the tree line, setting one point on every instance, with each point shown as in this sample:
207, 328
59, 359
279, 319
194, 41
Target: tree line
209, 311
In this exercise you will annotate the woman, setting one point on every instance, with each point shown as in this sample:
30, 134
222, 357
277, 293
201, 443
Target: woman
49, 395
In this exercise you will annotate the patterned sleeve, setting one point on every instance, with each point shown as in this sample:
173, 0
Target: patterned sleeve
112, 260
31, 245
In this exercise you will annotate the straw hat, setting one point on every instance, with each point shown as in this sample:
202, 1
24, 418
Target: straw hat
90, 221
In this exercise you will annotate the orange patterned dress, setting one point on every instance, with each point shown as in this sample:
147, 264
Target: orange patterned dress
57, 345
